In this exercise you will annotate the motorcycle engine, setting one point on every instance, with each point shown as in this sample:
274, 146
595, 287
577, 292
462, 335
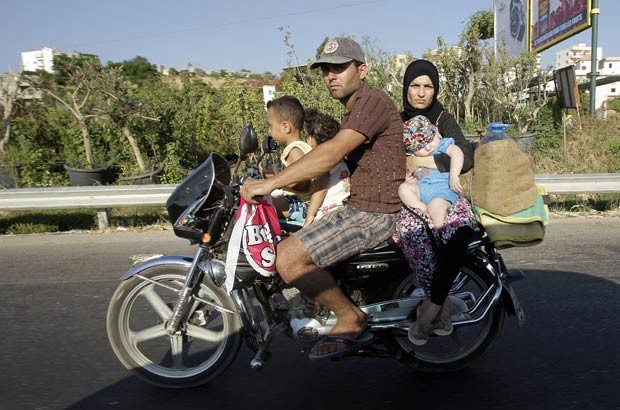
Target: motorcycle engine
307, 322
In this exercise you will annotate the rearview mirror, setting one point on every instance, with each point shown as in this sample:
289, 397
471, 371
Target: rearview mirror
248, 142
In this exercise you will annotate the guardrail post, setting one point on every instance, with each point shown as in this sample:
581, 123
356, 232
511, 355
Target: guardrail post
102, 218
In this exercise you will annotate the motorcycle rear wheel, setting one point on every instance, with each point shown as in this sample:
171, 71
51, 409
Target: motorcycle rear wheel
467, 342
206, 344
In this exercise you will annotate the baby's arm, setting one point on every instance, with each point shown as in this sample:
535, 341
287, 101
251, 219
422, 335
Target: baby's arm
456, 165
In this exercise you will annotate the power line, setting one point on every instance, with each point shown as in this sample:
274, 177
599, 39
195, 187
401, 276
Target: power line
221, 25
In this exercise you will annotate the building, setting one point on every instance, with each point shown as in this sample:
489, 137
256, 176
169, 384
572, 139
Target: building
609, 66
576, 54
38, 60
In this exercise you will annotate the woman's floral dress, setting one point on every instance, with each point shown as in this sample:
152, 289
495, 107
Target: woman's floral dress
412, 237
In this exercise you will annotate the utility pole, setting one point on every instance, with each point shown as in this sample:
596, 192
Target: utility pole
593, 63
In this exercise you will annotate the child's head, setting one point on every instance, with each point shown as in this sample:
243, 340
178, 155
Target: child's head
320, 127
285, 116
421, 137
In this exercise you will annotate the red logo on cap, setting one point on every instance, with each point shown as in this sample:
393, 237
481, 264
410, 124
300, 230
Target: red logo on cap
330, 47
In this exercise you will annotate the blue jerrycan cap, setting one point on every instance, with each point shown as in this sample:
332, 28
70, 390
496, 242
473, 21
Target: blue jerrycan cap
498, 127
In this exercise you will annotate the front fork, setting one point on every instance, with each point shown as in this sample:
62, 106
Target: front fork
192, 279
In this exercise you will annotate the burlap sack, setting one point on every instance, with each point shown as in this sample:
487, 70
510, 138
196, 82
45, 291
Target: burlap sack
503, 182
466, 182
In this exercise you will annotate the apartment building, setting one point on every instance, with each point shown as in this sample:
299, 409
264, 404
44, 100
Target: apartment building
38, 60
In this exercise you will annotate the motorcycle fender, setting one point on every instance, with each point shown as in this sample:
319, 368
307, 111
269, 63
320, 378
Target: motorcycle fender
179, 260
512, 304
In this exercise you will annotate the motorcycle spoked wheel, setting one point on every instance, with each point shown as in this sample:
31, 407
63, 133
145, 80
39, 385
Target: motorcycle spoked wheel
467, 342
205, 346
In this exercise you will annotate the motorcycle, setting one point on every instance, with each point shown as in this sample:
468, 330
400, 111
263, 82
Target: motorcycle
172, 322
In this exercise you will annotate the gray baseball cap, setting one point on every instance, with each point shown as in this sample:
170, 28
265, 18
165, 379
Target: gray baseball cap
340, 50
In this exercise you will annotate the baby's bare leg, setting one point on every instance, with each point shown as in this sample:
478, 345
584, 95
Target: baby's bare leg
410, 195
437, 209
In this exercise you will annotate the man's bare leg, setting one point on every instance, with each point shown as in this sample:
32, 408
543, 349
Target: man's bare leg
297, 268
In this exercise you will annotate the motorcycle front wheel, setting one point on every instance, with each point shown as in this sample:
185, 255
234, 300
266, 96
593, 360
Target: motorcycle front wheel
205, 345
467, 342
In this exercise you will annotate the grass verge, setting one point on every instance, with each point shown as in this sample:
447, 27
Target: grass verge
27, 222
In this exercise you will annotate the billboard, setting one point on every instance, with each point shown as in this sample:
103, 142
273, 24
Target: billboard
556, 20
511, 23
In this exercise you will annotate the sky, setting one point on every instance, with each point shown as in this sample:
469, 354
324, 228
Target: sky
234, 34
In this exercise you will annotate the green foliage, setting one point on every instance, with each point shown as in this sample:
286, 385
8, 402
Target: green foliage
480, 25
66, 66
615, 153
614, 104
308, 86
21, 222
138, 70
177, 120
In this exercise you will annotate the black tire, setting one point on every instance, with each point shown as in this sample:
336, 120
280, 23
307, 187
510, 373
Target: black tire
467, 343
206, 345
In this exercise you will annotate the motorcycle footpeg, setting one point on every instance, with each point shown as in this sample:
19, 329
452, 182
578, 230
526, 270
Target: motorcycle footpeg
260, 359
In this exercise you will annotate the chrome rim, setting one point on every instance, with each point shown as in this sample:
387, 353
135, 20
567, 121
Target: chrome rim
465, 339
196, 347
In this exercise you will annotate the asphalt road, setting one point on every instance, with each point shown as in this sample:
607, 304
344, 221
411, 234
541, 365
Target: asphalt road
55, 354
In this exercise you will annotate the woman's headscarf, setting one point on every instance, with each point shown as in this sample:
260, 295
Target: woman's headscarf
416, 69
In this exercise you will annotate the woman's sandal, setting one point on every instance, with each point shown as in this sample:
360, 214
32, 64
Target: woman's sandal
420, 338
442, 326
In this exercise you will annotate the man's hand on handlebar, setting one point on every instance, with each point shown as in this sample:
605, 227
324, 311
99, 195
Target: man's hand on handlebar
254, 189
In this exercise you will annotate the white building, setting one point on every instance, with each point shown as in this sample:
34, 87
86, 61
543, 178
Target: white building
609, 66
39, 60
576, 53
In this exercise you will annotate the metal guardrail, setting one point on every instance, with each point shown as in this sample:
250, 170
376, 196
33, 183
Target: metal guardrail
557, 184
118, 196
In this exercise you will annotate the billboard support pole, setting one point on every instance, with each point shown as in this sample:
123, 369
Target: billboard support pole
593, 62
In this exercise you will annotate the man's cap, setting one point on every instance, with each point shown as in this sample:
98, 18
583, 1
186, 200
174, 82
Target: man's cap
340, 50
418, 132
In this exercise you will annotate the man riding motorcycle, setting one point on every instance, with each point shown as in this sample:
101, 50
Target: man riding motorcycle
371, 140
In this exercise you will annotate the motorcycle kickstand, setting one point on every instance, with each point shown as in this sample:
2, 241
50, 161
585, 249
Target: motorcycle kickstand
262, 354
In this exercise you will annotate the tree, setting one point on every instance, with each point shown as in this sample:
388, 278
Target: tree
479, 86
514, 89
465, 63
116, 102
75, 94
9, 89
137, 70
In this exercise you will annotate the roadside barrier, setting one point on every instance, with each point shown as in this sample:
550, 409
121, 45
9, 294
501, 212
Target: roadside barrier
117, 196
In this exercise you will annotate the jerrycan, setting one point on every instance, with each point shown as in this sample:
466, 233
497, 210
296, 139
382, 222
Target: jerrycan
496, 132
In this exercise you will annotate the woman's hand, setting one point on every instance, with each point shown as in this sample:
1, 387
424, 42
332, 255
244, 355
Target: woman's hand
411, 179
414, 162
